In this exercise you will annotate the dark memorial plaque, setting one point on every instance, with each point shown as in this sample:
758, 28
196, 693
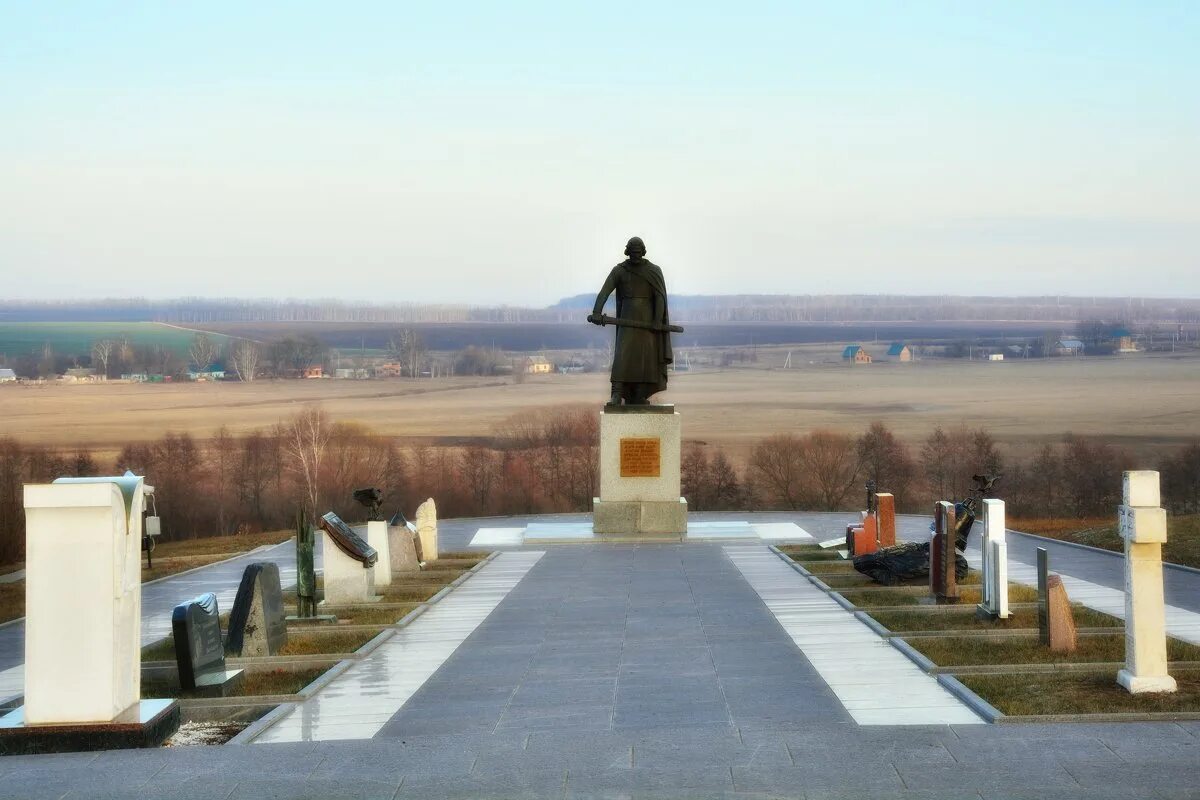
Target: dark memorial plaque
199, 652
640, 458
256, 625
348, 541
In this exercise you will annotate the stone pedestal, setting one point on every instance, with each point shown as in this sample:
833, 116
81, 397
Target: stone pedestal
1143, 526
347, 579
83, 620
377, 537
639, 473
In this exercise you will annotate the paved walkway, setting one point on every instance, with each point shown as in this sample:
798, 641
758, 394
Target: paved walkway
663, 670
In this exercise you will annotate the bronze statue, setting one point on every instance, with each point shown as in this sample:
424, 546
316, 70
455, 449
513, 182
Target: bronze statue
643, 349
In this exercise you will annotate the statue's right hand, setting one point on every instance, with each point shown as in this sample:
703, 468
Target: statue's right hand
595, 319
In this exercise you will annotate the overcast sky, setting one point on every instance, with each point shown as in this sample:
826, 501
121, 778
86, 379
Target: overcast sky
504, 152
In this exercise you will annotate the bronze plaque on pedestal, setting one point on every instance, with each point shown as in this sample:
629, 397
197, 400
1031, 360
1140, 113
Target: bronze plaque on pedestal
640, 458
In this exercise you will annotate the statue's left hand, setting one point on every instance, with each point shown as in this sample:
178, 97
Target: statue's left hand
595, 319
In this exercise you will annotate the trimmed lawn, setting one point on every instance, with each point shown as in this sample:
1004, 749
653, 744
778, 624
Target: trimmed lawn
924, 618
1074, 693
959, 651
259, 683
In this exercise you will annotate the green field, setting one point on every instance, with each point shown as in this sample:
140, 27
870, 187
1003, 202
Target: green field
69, 338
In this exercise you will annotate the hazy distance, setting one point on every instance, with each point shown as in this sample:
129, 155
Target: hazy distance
491, 154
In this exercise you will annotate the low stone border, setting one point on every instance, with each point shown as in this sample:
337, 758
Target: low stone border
255, 729
973, 701
968, 697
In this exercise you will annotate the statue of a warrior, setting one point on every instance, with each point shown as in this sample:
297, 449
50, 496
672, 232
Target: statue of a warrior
643, 350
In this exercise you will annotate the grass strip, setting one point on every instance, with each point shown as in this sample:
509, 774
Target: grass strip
952, 651
929, 618
253, 684
1079, 693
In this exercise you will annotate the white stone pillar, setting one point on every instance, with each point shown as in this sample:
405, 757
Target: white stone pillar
83, 595
1143, 526
427, 530
377, 537
994, 548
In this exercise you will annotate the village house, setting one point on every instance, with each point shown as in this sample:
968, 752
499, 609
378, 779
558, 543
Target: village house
389, 370
1123, 341
1068, 347
899, 351
7, 375
538, 365
317, 371
855, 354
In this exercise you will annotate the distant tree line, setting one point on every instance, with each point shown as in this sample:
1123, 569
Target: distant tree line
546, 461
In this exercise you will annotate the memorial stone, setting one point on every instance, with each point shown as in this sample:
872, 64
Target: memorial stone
199, 651
943, 556
994, 550
257, 626
1060, 619
885, 511
640, 473
1143, 526
306, 573
402, 545
427, 531
82, 669
349, 564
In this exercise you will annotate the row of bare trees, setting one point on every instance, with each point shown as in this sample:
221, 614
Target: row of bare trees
547, 461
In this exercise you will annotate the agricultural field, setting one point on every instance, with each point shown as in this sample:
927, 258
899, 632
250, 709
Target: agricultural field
1142, 402
22, 338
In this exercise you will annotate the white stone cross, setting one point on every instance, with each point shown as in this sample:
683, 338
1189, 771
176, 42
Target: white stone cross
1143, 526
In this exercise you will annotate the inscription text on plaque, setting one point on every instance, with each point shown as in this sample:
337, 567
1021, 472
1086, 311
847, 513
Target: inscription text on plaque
640, 458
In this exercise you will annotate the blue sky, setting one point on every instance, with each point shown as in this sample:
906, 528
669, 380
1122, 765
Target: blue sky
503, 152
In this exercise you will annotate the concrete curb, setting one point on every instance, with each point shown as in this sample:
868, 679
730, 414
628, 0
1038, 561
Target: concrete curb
920, 659
873, 624
272, 718
254, 729
973, 701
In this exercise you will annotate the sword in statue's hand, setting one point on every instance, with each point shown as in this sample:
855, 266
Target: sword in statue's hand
604, 319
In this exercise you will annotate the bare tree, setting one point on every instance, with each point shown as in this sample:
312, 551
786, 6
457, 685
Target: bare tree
831, 461
306, 437
777, 466
244, 359
407, 348
102, 352
203, 351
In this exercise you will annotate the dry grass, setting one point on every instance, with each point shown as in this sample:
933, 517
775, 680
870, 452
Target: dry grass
960, 651
866, 598
926, 618
220, 545
1089, 693
408, 593
325, 639
366, 615
257, 683
1183, 535
457, 559
1028, 402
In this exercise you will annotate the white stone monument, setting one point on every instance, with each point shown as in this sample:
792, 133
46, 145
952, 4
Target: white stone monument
1143, 526
377, 537
639, 473
83, 620
995, 561
349, 564
402, 548
427, 532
